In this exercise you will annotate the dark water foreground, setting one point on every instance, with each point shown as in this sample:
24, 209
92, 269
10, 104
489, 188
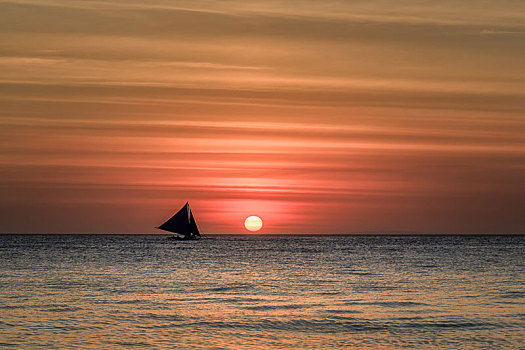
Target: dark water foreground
257, 292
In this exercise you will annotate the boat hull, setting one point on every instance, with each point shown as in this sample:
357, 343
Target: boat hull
178, 238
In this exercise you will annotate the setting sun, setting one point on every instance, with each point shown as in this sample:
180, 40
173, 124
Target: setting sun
253, 223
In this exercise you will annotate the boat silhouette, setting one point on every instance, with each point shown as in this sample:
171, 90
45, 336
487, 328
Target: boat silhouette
182, 224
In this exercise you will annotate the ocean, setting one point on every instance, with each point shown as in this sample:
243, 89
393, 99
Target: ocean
262, 292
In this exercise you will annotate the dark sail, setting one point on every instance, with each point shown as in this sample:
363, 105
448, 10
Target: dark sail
193, 226
178, 223
182, 223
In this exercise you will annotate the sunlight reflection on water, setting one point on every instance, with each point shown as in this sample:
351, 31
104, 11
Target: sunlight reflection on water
262, 292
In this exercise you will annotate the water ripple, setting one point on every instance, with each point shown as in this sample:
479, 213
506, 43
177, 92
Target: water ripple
251, 292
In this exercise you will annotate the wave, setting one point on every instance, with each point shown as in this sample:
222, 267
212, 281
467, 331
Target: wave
277, 307
346, 324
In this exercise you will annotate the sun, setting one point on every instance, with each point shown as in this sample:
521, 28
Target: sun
253, 223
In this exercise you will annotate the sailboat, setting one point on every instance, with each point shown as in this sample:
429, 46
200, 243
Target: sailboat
182, 224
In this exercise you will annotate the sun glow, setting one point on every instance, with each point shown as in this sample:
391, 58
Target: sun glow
253, 223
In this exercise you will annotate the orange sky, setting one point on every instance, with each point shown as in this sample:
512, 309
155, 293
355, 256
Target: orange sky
320, 117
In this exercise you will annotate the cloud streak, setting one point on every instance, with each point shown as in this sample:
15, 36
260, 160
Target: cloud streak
341, 116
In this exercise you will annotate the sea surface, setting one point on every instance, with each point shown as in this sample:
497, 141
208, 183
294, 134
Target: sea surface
262, 292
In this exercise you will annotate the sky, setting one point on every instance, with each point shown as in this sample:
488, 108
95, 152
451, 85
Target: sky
318, 116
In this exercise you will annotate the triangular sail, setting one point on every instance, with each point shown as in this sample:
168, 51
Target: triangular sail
178, 223
182, 223
193, 225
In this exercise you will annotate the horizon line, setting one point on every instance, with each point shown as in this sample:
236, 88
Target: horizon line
281, 234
